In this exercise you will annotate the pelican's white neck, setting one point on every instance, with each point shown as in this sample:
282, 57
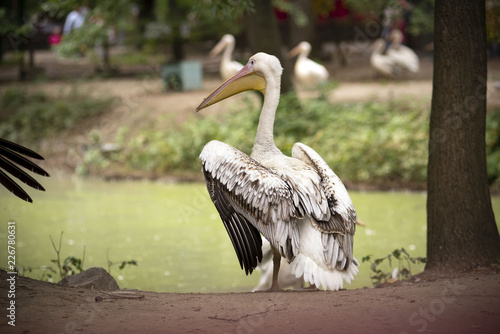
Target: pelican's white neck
228, 52
264, 146
303, 54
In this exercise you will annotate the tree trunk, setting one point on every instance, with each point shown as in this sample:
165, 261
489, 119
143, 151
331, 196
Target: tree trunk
175, 18
105, 55
263, 36
461, 228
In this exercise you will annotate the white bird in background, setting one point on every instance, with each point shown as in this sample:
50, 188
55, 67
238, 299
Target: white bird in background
394, 60
298, 203
403, 56
228, 67
307, 71
381, 62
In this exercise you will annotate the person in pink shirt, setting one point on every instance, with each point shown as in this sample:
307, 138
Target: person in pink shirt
55, 37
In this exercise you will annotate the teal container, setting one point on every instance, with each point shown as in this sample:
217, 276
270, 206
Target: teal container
182, 76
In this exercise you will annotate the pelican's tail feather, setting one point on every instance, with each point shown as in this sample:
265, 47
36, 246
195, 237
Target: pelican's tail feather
332, 279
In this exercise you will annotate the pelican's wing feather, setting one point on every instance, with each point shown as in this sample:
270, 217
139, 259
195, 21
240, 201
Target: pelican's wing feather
13, 187
404, 57
244, 236
20, 160
340, 228
250, 198
20, 149
9, 157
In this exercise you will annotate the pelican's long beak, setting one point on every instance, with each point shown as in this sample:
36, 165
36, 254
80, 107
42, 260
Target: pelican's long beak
295, 51
245, 79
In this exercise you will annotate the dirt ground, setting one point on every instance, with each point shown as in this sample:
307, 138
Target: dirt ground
467, 303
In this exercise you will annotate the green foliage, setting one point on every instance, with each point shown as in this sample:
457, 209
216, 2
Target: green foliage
15, 25
493, 144
422, 12
94, 160
492, 21
404, 266
293, 10
370, 6
422, 18
225, 15
174, 150
28, 116
70, 264
138, 58
124, 263
370, 142
221, 10
78, 41
103, 17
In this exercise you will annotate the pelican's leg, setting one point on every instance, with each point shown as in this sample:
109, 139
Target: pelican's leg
276, 269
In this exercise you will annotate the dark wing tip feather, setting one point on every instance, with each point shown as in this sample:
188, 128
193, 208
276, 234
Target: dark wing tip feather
20, 149
22, 161
10, 155
13, 187
245, 238
18, 173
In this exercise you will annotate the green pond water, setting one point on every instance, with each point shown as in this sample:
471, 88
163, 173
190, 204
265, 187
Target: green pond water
175, 234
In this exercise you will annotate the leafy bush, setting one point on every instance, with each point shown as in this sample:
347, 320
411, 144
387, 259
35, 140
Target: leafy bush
172, 150
371, 141
493, 144
27, 117
402, 271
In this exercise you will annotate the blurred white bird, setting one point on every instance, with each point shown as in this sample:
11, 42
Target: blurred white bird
228, 67
394, 60
403, 56
381, 62
307, 71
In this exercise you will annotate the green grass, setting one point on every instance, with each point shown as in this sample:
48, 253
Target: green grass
175, 234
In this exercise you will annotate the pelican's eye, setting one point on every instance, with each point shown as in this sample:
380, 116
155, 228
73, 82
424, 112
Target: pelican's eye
252, 62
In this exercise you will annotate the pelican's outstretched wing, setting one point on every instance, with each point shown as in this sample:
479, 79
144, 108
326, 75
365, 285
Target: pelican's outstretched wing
404, 57
250, 199
339, 230
9, 157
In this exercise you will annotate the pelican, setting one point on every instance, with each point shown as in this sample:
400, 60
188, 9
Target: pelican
228, 67
307, 71
403, 56
298, 203
381, 62
12, 154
